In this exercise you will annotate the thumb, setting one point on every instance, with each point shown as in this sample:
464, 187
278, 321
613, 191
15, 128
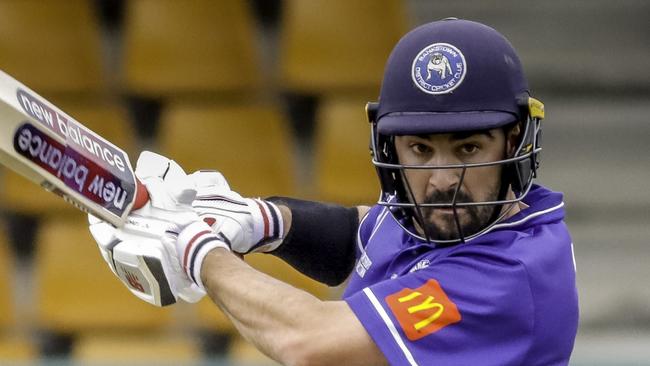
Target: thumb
209, 179
180, 186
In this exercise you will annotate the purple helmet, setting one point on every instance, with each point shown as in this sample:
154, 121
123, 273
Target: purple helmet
450, 76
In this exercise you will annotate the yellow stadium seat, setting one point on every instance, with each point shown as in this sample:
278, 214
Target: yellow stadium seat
14, 346
336, 45
343, 168
136, 349
6, 283
17, 350
105, 118
242, 352
173, 47
76, 291
210, 317
249, 144
52, 46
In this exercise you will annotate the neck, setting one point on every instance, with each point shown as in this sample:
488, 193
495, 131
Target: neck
511, 209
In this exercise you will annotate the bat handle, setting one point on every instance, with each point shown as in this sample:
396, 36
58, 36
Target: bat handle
141, 195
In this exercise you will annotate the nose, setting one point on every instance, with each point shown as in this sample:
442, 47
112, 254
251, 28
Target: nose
444, 179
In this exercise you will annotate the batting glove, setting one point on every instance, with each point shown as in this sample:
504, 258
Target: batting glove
247, 225
142, 253
143, 262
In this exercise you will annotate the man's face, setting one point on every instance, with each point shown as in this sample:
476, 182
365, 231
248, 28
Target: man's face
438, 185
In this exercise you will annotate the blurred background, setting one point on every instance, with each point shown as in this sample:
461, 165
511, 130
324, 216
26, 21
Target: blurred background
272, 93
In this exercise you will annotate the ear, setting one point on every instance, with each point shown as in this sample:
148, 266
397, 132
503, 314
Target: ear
512, 139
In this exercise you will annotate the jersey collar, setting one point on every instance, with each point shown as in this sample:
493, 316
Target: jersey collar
544, 207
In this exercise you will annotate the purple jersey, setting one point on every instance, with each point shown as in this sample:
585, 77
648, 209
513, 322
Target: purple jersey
507, 297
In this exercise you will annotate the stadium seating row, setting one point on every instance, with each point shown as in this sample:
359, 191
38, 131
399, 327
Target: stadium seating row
173, 47
67, 264
76, 295
74, 290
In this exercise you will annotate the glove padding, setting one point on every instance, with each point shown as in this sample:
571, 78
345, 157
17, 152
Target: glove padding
247, 225
143, 262
142, 254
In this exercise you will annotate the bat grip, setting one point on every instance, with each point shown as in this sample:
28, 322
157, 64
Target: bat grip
141, 195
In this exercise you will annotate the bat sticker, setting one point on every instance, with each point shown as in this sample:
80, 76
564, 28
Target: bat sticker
76, 171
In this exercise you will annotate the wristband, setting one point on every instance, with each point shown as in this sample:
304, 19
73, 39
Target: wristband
195, 242
321, 241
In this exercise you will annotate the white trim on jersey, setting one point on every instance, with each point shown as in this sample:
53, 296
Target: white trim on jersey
380, 220
503, 224
573, 256
364, 263
391, 327
359, 244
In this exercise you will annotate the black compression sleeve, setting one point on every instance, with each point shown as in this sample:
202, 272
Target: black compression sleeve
320, 243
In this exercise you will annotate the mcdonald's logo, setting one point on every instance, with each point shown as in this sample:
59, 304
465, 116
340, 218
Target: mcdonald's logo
423, 310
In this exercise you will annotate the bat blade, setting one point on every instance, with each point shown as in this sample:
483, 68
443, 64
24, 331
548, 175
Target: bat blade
52, 149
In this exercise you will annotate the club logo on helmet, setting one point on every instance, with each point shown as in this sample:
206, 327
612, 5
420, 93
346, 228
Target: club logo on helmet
439, 68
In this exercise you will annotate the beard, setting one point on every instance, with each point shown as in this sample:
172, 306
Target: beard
472, 219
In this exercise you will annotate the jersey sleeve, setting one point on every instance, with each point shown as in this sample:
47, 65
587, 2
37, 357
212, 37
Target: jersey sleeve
459, 311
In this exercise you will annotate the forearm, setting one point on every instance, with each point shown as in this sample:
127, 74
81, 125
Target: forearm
258, 314
287, 324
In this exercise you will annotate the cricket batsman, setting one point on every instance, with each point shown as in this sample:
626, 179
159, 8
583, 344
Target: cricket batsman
463, 261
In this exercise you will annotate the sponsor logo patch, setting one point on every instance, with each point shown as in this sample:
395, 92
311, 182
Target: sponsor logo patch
363, 265
72, 168
439, 68
209, 220
134, 282
77, 136
420, 265
423, 310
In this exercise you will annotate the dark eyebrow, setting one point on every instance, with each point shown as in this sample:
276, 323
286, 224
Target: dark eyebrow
467, 134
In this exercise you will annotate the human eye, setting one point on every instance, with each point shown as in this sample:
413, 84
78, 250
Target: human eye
469, 148
420, 149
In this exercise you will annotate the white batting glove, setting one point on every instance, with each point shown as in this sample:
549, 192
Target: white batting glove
143, 262
171, 194
247, 225
142, 254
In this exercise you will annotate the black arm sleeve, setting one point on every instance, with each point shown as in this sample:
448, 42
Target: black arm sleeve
320, 243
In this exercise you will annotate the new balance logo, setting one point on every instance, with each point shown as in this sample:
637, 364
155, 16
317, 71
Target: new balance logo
134, 282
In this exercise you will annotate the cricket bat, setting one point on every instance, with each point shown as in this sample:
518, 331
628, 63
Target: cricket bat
47, 146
